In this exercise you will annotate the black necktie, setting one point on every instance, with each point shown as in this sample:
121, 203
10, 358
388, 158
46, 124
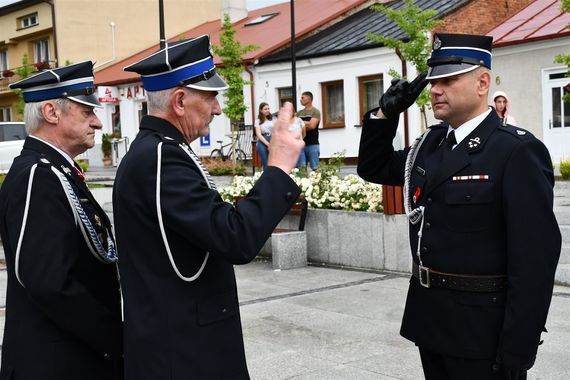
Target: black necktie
450, 141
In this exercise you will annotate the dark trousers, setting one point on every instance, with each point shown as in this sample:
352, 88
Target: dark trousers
444, 367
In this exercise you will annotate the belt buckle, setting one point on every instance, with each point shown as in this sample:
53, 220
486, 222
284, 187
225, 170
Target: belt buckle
422, 270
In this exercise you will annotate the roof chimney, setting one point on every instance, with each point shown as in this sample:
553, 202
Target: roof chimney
235, 8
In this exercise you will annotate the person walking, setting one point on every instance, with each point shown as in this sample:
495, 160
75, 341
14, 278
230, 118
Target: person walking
311, 116
178, 239
63, 305
484, 239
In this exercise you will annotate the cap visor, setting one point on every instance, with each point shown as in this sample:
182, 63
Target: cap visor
443, 71
88, 100
215, 83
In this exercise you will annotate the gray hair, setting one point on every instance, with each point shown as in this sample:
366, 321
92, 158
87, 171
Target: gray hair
158, 100
33, 116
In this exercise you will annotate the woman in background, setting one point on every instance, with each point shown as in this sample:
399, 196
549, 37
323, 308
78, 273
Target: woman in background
502, 107
263, 128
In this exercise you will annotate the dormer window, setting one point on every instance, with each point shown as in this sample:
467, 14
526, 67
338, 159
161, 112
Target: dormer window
261, 19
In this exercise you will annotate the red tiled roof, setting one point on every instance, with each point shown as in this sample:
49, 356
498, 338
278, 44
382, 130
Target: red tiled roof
269, 36
540, 20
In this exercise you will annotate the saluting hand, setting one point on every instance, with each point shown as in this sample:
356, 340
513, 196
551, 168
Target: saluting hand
401, 95
284, 146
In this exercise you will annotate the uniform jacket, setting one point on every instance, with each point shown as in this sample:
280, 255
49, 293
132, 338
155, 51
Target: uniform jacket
66, 322
176, 329
495, 225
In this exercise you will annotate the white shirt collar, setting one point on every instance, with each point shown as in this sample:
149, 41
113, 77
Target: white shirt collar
466, 128
65, 155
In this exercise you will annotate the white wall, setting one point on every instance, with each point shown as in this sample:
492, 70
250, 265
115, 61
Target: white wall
348, 67
519, 69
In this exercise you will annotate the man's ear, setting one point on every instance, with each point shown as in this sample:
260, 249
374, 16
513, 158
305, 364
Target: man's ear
177, 102
484, 82
50, 112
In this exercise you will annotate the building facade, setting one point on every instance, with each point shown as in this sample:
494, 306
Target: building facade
53, 33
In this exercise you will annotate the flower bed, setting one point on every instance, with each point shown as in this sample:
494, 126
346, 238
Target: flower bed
323, 189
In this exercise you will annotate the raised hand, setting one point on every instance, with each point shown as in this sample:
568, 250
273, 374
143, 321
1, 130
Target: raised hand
401, 95
284, 146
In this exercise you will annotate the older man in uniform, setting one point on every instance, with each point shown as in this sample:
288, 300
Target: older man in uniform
483, 236
178, 239
63, 312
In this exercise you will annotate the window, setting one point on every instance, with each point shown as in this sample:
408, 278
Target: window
41, 51
3, 60
333, 104
28, 20
116, 120
5, 114
261, 19
560, 108
370, 88
284, 94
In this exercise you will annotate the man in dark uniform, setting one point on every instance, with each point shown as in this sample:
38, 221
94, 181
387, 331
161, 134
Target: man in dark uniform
178, 239
483, 236
63, 305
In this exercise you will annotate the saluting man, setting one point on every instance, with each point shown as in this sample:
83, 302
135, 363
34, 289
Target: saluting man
178, 239
483, 236
63, 312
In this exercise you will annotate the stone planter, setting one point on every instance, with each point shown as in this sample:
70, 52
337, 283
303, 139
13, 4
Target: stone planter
357, 239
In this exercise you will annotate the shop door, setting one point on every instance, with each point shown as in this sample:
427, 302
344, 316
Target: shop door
556, 123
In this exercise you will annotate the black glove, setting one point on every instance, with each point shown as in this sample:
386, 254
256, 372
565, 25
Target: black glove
512, 367
401, 95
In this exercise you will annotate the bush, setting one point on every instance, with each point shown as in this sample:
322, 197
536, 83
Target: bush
565, 169
219, 167
106, 147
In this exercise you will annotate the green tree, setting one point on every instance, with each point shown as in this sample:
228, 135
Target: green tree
231, 53
564, 58
416, 48
23, 71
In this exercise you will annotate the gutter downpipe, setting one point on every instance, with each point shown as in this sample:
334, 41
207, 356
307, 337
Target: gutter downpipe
252, 91
252, 94
113, 25
52, 6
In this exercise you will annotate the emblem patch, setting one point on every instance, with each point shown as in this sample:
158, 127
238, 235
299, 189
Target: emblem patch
436, 43
521, 133
474, 142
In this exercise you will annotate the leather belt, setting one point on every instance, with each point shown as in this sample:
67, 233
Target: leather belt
429, 278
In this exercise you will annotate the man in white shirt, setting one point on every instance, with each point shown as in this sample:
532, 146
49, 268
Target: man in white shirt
483, 236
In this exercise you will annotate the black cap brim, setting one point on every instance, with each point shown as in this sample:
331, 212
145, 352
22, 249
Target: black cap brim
89, 100
443, 71
214, 83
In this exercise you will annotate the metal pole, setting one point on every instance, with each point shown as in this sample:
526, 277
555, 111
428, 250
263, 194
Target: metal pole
293, 58
161, 24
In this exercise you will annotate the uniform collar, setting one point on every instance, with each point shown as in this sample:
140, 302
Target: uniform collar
466, 128
163, 127
61, 152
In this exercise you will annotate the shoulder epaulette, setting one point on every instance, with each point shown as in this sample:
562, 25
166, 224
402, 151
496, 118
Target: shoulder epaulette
520, 133
44, 162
